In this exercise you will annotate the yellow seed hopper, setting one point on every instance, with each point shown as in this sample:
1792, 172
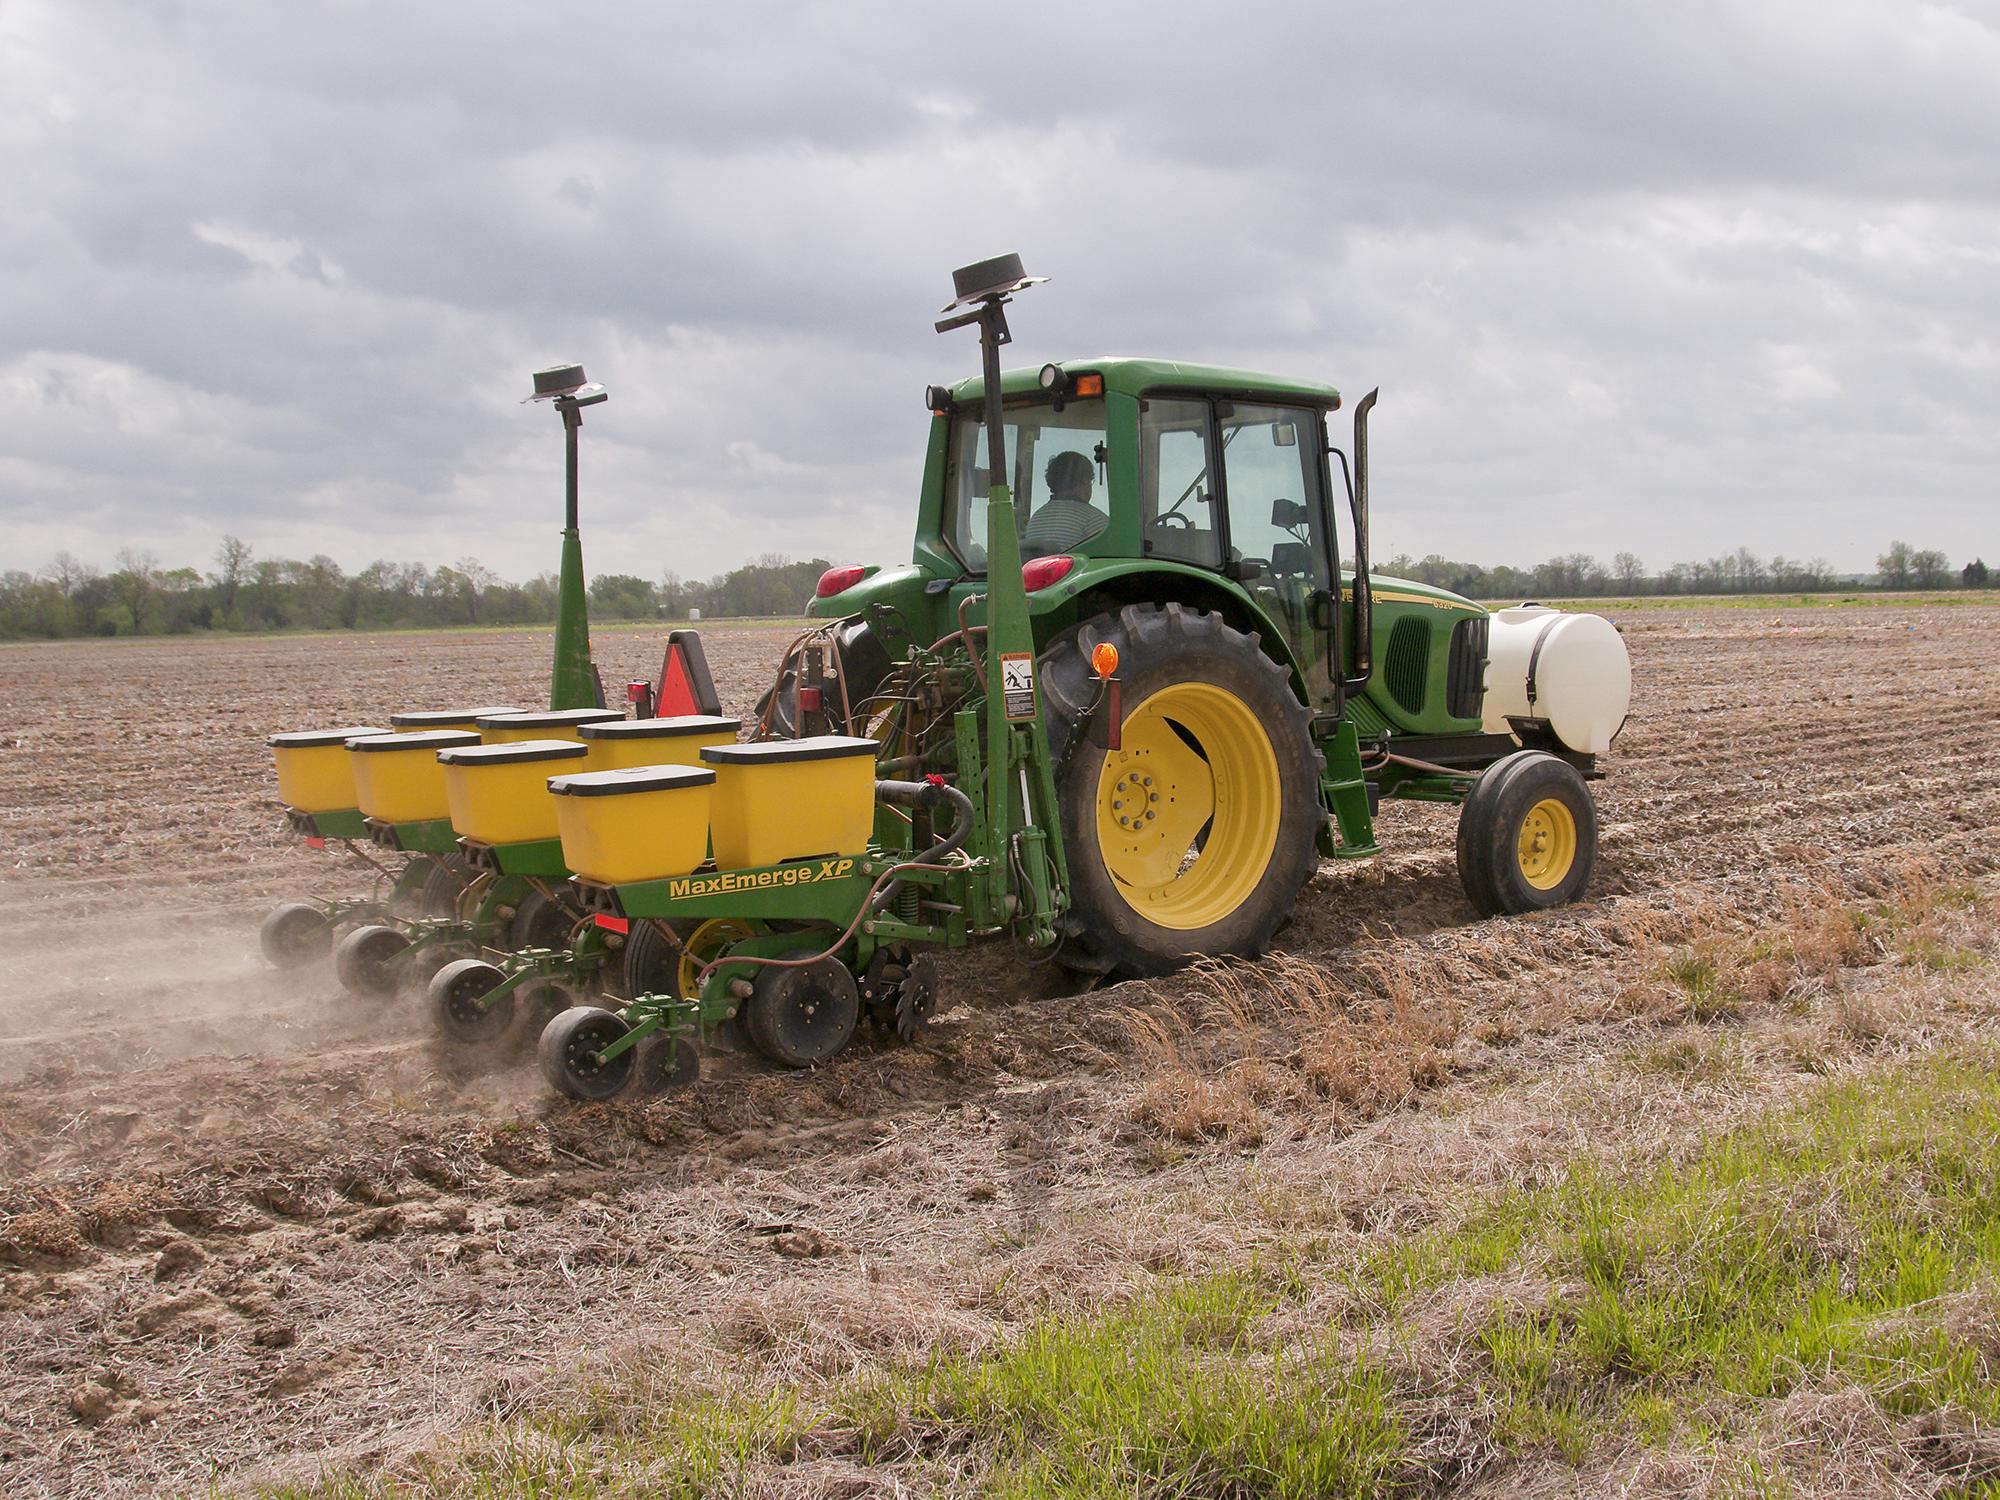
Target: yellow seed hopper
499, 794
447, 718
635, 823
789, 799
397, 777
556, 724
313, 771
656, 742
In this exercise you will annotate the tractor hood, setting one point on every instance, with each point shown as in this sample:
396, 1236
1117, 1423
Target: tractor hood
1388, 590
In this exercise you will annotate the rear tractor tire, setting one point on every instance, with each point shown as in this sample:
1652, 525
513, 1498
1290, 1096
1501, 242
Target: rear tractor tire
653, 966
1527, 836
295, 934
1196, 835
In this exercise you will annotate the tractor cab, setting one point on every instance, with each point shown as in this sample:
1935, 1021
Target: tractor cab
1139, 479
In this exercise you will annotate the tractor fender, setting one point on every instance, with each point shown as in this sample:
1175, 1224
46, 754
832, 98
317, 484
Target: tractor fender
1097, 587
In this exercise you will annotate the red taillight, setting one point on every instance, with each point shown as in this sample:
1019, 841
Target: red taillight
1044, 571
838, 580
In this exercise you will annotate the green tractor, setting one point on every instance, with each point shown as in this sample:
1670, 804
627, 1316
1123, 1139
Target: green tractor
1118, 722
1179, 520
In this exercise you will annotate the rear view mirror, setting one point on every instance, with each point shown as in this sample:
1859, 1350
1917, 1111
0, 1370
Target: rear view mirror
1291, 559
1284, 435
1285, 514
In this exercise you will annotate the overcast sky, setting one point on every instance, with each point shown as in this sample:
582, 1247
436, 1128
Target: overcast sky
1665, 278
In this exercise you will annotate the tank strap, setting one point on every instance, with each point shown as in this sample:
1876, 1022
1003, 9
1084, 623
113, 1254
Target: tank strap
1535, 653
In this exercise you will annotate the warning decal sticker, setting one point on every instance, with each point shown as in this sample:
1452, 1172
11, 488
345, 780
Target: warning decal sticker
1017, 683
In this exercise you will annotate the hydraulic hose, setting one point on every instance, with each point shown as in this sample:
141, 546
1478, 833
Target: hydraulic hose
925, 794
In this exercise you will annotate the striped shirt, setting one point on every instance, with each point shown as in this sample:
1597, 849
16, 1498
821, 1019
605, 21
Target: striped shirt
1062, 525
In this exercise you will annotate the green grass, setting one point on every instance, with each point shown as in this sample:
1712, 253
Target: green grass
672, 1444
1817, 1246
1709, 999
1803, 1248
1176, 1394
1937, 956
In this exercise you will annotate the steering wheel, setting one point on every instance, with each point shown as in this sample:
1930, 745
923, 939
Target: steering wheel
1173, 520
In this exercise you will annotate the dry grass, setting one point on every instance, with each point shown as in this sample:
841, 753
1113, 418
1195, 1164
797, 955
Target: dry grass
1226, 1048
1226, 1044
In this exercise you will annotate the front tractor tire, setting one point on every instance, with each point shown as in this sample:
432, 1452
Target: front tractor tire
1527, 836
1196, 835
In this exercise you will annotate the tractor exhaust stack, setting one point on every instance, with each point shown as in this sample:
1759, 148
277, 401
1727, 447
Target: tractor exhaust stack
1364, 602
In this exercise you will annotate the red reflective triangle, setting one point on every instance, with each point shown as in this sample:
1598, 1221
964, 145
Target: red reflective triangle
677, 697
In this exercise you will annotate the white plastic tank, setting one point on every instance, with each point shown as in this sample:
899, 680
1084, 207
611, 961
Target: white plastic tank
1581, 676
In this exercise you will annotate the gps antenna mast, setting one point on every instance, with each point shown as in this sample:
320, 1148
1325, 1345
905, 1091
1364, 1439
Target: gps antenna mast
572, 680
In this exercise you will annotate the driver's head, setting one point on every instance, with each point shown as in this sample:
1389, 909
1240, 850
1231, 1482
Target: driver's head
1069, 476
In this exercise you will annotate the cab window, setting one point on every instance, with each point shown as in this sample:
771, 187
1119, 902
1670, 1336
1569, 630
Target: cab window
1057, 471
1177, 491
1276, 519
1277, 523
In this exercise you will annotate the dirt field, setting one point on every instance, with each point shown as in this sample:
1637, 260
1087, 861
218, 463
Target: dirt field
250, 1230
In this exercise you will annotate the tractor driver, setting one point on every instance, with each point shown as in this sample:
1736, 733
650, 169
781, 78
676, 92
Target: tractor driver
1067, 519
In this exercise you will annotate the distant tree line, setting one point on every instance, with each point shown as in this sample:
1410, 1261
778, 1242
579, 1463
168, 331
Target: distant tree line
250, 594
1579, 575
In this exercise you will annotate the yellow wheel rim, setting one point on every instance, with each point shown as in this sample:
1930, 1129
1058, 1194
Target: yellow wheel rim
703, 944
1188, 808
1548, 844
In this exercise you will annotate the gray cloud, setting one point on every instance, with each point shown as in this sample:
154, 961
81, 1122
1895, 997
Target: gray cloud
1667, 279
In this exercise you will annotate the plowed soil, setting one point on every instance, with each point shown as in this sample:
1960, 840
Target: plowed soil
250, 1226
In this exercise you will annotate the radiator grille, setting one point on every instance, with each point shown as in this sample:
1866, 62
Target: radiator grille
1406, 666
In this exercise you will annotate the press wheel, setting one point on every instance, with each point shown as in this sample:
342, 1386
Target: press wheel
458, 1005
569, 1048
804, 1015
295, 934
365, 961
